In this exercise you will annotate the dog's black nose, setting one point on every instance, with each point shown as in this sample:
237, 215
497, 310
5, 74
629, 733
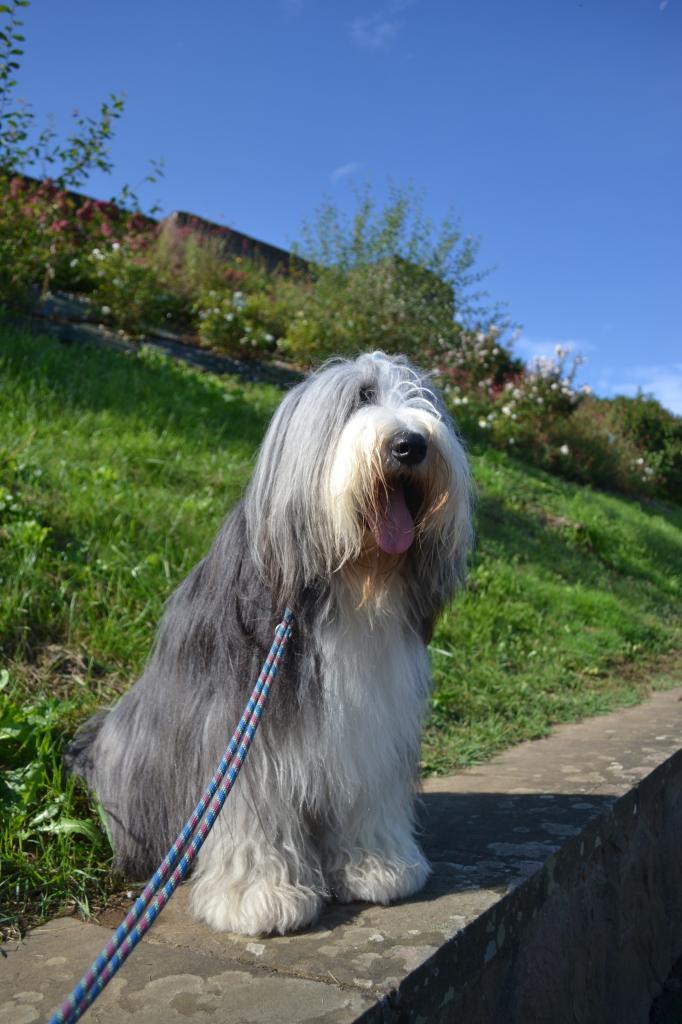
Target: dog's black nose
408, 448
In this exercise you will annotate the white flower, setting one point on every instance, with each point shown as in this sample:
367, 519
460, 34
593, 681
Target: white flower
564, 449
506, 409
115, 246
483, 424
106, 310
74, 262
465, 400
238, 300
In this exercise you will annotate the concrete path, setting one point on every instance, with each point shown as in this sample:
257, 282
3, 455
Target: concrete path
556, 895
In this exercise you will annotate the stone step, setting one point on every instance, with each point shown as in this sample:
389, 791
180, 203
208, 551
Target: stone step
556, 896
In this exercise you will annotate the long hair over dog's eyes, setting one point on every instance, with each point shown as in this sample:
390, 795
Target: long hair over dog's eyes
367, 395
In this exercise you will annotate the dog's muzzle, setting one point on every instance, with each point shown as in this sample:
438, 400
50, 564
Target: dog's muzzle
393, 523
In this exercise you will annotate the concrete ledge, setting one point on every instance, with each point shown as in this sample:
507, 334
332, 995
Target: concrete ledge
68, 319
556, 897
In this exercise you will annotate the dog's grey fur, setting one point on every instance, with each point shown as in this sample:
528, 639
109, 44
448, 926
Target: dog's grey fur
315, 811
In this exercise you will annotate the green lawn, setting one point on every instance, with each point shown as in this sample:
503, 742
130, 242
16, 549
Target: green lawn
115, 472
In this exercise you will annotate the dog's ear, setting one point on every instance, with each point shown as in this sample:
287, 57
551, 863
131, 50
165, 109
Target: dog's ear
287, 503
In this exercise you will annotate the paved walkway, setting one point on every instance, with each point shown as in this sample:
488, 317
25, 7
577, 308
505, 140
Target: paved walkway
505, 839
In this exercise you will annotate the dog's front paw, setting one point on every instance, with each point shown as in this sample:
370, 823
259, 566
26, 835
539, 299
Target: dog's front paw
374, 878
257, 908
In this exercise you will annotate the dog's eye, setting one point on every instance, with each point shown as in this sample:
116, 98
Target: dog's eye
367, 395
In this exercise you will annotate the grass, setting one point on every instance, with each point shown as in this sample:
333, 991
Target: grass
115, 472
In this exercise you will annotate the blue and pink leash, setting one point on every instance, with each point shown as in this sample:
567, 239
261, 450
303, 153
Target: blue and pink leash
158, 890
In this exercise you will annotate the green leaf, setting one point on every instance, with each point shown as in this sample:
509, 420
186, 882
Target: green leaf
73, 826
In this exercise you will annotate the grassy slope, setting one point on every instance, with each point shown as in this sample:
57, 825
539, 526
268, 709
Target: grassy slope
114, 475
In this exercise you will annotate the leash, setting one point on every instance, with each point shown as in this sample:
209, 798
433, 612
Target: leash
156, 893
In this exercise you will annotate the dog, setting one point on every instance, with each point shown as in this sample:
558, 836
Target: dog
358, 516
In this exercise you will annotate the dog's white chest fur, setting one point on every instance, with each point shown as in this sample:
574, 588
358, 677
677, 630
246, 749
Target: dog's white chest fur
375, 680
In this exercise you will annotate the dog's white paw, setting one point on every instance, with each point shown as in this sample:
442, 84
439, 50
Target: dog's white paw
376, 879
257, 908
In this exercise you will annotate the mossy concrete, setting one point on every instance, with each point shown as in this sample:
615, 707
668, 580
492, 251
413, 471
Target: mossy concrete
556, 896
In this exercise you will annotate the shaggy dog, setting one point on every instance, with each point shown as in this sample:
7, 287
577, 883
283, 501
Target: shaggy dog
358, 517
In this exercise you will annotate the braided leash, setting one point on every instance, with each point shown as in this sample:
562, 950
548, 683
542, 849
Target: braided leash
188, 843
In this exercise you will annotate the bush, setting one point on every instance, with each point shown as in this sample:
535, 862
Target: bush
382, 279
45, 232
656, 432
130, 292
585, 449
44, 228
389, 305
196, 262
239, 323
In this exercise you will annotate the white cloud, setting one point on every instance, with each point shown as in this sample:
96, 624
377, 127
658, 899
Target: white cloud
377, 31
373, 33
345, 171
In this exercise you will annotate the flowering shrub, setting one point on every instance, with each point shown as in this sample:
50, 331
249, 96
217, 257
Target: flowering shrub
197, 263
655, 434
534, 401
582, 447
476, 364
239, 323
130, 293
44, 231
44, 228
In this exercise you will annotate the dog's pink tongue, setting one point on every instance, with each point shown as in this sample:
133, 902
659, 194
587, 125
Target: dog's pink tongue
393, 528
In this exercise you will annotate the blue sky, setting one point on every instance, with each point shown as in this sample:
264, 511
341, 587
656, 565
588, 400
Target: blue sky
552, 128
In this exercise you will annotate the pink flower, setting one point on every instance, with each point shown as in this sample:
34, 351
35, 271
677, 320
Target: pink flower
59, 225
106, 229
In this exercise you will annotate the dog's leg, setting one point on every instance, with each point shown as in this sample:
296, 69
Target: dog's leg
258, 874
372, 854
